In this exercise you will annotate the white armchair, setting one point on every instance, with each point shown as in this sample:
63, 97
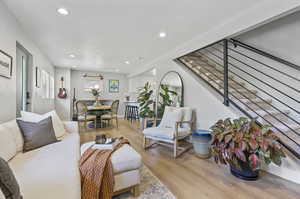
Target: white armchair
175, 125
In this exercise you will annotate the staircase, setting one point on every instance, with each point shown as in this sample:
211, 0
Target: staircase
254, 86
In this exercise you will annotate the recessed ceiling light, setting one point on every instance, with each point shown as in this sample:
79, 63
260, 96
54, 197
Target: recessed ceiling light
127, 62
74, 66
62, 11
162, 34
72, 56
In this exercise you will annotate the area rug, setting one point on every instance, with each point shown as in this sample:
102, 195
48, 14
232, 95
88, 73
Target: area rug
150, 188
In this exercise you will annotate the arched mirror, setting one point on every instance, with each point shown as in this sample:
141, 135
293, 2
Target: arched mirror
170, 92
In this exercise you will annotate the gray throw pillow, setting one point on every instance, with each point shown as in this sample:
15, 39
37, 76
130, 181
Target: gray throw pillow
38, 134
8, 182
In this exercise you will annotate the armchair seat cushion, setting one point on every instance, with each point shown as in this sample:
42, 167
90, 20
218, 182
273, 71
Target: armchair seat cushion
165, 133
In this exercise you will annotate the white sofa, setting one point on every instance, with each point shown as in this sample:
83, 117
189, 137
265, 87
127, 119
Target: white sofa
50, 172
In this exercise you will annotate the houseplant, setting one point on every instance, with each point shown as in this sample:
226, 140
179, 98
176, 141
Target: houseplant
145, 101
96, 93
166, 100
245, 146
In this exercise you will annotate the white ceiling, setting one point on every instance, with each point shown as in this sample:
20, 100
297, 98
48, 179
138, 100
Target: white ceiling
103, 34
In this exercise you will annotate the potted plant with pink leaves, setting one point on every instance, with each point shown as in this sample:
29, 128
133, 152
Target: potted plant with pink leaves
244, 146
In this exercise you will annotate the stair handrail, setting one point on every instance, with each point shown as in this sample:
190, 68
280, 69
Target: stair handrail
265, 54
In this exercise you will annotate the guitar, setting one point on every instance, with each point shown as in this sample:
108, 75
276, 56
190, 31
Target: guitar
62, 91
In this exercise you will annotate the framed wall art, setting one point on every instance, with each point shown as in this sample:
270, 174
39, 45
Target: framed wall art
6, 62
37, 77
113, 86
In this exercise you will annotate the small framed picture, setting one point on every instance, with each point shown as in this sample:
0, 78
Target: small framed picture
37, 77
6, 62
113, 86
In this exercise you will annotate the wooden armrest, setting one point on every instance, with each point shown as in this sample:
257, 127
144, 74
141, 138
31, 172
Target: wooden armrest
183, 122
178, 123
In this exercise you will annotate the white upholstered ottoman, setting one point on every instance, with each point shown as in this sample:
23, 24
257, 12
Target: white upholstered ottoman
126, 167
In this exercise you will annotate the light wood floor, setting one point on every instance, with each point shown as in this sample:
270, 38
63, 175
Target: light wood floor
191, 178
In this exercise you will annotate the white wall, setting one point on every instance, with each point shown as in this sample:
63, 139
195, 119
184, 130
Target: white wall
78, 83
10, 33
63, 106
135, 83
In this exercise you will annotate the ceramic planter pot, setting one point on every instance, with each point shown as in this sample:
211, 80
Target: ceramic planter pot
245, 172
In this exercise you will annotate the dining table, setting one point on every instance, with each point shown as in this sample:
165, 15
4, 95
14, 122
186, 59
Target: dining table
98, 111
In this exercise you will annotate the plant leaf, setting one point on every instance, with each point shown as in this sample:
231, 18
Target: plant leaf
240, 154
254, 161
253, 144
276, 158
228, 138
264, 145
243, 145
267, 160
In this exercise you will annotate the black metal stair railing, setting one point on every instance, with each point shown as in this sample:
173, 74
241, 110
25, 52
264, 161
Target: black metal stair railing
255, 82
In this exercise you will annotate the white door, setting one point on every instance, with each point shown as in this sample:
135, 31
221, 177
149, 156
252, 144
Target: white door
23, 81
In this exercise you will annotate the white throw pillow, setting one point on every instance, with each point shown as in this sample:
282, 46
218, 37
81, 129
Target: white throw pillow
58, 125
170, 117
31, 117
13, 127
8, 148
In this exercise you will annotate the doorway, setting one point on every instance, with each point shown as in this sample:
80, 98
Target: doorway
24, 79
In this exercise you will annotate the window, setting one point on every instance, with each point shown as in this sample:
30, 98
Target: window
51, 87
47, 85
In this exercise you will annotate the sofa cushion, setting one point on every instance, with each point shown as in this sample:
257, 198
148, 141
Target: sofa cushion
50, 172
8, 148
37, 134
123, 160
8, 183
13, 127
57, 123
31, 117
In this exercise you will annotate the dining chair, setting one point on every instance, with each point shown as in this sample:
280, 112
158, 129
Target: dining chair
113, 114
83, 115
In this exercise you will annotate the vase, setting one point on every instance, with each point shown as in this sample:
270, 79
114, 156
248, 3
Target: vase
97, 103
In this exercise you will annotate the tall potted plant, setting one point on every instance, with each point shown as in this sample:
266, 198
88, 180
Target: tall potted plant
146, 102
165, 95
244, 146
